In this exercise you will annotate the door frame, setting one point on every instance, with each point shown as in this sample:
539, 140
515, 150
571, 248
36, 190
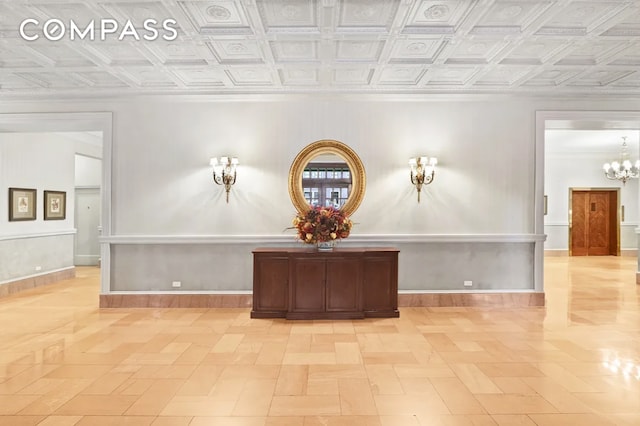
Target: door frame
618, 220
86, 189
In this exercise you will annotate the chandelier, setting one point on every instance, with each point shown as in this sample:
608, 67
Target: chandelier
622, 169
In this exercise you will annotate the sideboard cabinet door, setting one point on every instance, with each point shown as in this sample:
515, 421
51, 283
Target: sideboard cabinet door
343, 284
307, 292
381, 285
270, 284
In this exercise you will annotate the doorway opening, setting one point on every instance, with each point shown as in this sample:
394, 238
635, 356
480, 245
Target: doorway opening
88, 181
594, 221
552, 225
97, 124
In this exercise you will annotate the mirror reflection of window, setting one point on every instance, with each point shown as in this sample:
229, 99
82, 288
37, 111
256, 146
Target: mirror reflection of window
326, 183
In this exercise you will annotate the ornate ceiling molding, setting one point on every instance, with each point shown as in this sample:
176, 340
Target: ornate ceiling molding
567, 47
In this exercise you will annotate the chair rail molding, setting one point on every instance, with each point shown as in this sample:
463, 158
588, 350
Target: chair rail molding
353, 239
38, 235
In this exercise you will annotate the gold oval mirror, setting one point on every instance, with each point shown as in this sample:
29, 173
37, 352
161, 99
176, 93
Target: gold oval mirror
327, 172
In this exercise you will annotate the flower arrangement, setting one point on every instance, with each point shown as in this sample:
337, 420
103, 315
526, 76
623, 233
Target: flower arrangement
322, 224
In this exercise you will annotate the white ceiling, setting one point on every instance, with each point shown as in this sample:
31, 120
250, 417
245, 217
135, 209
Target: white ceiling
91, 138
357, 46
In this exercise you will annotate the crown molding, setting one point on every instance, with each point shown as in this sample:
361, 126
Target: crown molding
413, 96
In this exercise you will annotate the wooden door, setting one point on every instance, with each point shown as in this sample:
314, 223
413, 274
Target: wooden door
594, 229
579, 219
599, 229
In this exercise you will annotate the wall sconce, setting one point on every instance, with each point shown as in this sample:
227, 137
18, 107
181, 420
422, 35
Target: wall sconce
224, 172
422, 171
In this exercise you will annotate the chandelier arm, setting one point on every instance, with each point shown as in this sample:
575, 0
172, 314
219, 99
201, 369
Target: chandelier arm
217, 179
412, 176
429, 178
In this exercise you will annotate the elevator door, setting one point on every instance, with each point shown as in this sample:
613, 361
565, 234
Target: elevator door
594, 229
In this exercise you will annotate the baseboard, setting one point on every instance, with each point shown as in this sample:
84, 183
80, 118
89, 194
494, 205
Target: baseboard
496, 300
23, 284
556, 253
565, 253
176, 300
505, 300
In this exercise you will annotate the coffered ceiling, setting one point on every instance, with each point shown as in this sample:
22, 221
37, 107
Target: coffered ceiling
338, 46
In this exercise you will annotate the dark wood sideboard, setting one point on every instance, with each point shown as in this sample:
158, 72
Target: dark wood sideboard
303, 283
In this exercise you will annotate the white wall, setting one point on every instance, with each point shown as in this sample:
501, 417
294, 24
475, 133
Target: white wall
43, 161
480, 206
161, 173
162, 185
88, 171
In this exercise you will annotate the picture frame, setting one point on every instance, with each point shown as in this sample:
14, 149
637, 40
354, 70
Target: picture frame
55, 205
22, 204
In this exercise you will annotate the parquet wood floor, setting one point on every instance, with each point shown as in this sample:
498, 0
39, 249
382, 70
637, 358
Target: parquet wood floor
576, 361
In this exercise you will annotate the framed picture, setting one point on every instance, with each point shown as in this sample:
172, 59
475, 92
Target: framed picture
22, 204
55, 205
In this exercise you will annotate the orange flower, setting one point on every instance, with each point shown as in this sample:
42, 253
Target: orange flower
320, 224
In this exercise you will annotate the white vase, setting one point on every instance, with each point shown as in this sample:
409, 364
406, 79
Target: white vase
325, 245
